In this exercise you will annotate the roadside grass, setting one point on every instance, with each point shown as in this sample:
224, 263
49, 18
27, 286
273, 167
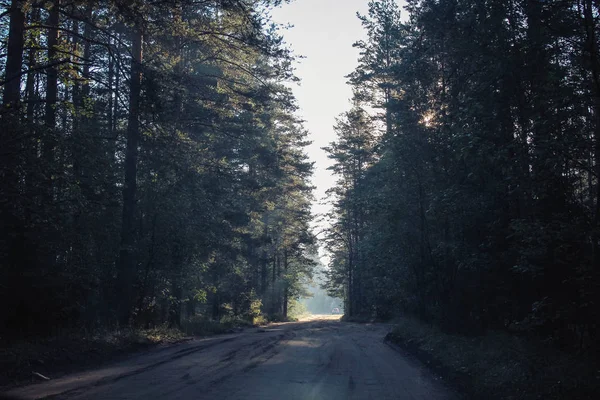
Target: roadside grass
280, 318
361, 319
52, 357
296, 312
202, 326
59, 354
499, 365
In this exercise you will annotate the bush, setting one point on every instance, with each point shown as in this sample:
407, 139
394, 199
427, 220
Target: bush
202, 326
276, 318
235, 321
161, 334
296, 310
498, 365
260, 320
61, 354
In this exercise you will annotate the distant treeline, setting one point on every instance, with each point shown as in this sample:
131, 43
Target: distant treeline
316, 299
151, 166
472, 198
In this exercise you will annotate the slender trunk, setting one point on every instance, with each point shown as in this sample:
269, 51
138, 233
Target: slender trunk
149, 263
52, 72
51, 85
77, 100
31, 77
32, 99
594, 62
10, 136
177, 290
596, 74
87, 51
388, 112
286, 288
264, 270
216, 300
279, 288
422, 246
263, 274
351, 308
69, 39
12, 95
126, 264
78, 111
115, 113
111, 73
81, 92
273, 284
14, 56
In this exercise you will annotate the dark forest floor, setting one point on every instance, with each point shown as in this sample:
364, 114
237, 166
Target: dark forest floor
27, 361
499, 365
23, 361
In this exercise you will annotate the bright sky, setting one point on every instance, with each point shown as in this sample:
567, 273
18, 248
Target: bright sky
323, 31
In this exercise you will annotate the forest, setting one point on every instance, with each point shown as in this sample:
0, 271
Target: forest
155, 174
153, 169
468, 167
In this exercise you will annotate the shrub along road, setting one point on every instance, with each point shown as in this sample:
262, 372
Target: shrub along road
320, 358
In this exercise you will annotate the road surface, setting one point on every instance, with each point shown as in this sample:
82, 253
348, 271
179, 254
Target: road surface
317, 359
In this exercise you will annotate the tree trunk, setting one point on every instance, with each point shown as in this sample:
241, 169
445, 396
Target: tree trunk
216, 298
9, 135
274, 301
350, 307
81, 92
14, 56
111, 74
31, 63
126, 265
32, 99
87, 51
115, 113
286, 287
11, 258
78, 117
51, 79
594, 59
264, 267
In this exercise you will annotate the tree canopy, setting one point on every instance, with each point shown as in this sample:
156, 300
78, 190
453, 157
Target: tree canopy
475, 202
152, 167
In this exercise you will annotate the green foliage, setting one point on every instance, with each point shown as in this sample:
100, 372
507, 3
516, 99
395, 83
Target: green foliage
497, 364
296, 310
72, 352
217, 225
255, 307
202, 326
476, 206
200, 296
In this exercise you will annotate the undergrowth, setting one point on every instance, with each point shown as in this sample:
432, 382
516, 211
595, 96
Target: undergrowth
202, 326
499, 365
54, 356
65, 353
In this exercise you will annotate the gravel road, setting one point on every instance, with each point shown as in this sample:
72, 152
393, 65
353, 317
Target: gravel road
320, 358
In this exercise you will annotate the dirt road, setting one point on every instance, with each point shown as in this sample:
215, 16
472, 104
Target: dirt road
320, 358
